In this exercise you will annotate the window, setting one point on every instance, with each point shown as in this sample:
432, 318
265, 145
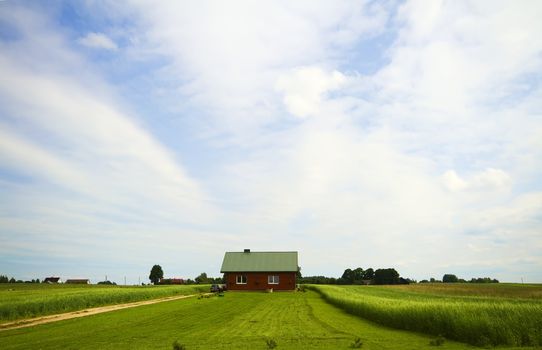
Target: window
272, 279
241, 279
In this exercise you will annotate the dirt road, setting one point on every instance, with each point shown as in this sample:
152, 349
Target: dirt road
82, 313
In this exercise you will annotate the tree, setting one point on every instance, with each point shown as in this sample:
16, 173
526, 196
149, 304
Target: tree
348, 276
369, 274
156, 274
202, 278
449, 278
386, 276
357, 275
4, 279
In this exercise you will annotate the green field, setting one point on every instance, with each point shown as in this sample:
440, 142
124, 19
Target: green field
483, 315
236, 321
294, 320
18, 301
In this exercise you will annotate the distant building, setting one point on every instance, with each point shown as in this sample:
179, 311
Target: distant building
77, 281
171, 281
52, 280
260, 270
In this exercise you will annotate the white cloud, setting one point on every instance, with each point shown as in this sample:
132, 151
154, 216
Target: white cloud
227, 57
98, 41
304, 87
431, 163
67, 134
489, 179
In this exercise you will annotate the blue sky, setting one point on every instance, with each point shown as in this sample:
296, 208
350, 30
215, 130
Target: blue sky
375, 134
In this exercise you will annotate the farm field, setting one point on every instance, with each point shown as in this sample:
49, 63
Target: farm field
18, 301
239, 320
483, 315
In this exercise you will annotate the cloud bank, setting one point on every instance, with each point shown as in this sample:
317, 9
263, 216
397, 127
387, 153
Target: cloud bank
399, 135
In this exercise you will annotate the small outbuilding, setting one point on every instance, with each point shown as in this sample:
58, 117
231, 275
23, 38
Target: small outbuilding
260, 270
77, 281
52, 280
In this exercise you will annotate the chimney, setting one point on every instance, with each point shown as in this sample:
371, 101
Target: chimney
247, 250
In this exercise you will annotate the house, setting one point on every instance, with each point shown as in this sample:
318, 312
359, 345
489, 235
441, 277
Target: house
260, 270
52, 280
77, 281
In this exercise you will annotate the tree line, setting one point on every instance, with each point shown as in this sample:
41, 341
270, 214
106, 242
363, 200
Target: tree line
156, 276
6, 279
451, 278
359, 276
383, 276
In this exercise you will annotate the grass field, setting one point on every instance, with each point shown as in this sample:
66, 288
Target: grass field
236, 321
482, 315
294, 320
19, 301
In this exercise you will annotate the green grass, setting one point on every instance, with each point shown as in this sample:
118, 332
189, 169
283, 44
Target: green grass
18, 301
477, 314
236, 321
485, 290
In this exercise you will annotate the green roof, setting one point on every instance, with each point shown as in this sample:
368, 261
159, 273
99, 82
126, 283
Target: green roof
259, 262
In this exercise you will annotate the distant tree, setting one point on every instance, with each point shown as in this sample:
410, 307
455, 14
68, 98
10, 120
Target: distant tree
12, 280
109, 283
369, 274
449, 278
156, 274
424, 281
357, 275
386, 276
298, 275
348, 276
484, 280
202, 278
406, 280
4, 279
318, 280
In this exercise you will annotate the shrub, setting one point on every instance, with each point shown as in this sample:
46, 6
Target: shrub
438, 341
271, 344
178, 346
356, 344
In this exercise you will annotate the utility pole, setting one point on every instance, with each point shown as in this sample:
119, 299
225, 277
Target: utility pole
124, 280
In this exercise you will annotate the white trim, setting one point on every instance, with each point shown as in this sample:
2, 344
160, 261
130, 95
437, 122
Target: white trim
273, 279
242, 277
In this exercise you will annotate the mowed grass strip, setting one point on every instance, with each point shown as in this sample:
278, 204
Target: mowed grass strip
236, 321
473, 319
19, 301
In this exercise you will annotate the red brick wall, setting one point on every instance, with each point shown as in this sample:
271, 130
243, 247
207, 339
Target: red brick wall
258, 281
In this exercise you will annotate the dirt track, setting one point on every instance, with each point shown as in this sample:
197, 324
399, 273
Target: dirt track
82, 313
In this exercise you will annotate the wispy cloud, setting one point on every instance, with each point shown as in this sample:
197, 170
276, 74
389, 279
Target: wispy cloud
98, 41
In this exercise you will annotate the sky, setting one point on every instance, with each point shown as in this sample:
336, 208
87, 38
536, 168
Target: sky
404, 134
